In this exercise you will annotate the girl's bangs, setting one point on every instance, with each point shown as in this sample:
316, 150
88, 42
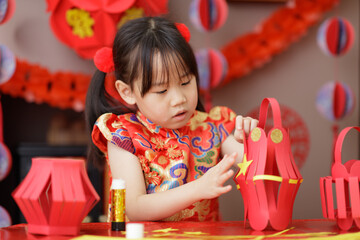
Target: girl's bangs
158, 66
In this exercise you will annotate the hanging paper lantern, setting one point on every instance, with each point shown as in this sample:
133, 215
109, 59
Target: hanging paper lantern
5, 219
7, 9
212, 67
5, 161
208, 15
335, 100
335, 36
7, 64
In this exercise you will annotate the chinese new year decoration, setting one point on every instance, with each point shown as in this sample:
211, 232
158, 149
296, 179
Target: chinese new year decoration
34, 83
343, 204
208, 16
298, 131
88, 25
268, 177
55, 196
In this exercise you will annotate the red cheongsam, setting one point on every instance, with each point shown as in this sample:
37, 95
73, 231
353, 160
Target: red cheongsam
171, 157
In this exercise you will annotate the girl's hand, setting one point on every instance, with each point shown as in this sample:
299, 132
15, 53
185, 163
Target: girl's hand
211, 184
244, 124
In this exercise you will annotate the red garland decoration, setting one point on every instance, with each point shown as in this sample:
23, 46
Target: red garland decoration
244, 54
36, 84
283, 27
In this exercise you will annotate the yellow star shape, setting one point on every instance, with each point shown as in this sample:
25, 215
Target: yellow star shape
165, 230
244, 166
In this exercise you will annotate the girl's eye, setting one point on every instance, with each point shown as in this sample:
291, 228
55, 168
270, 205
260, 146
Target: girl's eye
185, 83
161, 92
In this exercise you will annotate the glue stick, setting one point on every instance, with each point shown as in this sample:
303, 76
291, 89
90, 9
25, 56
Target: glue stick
118, 205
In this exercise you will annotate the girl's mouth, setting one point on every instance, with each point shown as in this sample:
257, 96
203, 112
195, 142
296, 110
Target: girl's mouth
180, 116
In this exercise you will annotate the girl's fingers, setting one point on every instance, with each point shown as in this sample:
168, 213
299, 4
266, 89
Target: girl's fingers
226, 176
246, 125
224, 189
227, 162
253, 124
239, 122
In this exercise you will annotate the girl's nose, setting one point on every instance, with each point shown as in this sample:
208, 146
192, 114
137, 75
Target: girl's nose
177, 97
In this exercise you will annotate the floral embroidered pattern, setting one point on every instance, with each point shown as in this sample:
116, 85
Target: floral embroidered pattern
151, 177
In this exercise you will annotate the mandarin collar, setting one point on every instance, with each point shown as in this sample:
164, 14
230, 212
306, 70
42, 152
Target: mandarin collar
165, 132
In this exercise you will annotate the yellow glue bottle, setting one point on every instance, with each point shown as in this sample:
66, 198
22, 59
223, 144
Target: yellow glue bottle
118, 205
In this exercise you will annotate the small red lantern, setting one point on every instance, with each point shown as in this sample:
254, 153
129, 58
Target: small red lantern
344, 179
55, 196
268, 177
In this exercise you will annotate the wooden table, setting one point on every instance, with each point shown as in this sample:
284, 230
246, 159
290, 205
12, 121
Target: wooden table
319, 228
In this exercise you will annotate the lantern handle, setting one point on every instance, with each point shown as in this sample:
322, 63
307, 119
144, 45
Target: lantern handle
339, 142
275, 110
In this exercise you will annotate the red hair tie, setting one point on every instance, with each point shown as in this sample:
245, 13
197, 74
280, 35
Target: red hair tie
184, 31
103, 60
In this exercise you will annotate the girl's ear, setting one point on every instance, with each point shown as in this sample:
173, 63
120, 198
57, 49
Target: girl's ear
125, 92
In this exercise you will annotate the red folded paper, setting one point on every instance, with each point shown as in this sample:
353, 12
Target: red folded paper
268, 178
55, 196
345, 208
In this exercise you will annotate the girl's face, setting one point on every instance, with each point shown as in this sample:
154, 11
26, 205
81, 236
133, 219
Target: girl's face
170, 104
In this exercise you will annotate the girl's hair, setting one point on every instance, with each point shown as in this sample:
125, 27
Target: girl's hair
134, 47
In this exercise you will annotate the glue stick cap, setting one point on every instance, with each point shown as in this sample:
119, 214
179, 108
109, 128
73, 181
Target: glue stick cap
118, 183
134, 230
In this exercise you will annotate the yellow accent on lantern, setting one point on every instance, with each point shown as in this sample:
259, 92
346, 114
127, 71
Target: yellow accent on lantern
244, 166
130, 14
81, 22
275, 178
276, 136
255, 134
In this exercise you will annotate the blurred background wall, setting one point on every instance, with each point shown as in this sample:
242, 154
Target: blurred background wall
293, 77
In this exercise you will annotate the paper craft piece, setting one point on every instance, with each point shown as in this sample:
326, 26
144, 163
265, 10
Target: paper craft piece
335, 36
55, 196
208, 15
268, 177
7, 64
5, 155
7, 9
335, 100
297, 128
212, 67
344, 179
5, 219
80, 23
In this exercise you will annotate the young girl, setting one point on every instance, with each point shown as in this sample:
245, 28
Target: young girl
158, 137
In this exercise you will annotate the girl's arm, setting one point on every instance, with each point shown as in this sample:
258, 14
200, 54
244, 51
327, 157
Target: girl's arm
151, 207
234, 143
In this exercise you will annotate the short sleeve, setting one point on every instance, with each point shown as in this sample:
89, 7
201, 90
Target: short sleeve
224, 119
109, 127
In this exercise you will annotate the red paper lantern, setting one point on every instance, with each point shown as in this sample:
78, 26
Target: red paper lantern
212, 67
7, 9
342, 188
208, 15
335, 36
335, 100
268, 177
55, 196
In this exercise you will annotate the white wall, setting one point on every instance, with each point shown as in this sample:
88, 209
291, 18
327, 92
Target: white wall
293, 77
